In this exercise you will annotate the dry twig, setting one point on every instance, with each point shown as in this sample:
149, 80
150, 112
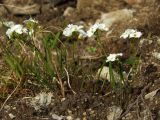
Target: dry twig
10, 95
68, 81
136, 101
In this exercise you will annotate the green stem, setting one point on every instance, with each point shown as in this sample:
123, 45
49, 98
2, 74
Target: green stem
112, 79
99, 42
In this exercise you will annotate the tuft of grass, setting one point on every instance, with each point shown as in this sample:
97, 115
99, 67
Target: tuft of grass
31, 57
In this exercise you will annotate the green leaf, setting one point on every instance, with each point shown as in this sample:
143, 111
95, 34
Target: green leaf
131, 60
112, 79
14, 63
55, 40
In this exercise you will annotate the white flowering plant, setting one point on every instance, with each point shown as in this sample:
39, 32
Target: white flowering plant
132, 35
114, 59
34, 50
16, 31
95, 28
28, 51
76, 32
71, 29
31, 25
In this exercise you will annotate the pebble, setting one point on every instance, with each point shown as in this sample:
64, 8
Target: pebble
84, 113
11, 116
69, 118
7, 107
78, 119
69, 112
84, 118
68, 11
104, 74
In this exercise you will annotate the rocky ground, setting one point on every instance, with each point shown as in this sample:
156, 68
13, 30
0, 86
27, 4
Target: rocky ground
92, 101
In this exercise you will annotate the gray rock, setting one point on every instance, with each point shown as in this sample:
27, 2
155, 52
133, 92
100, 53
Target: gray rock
116, 16
11, 116
104, 74
3, 11
137, 2
114, 113
57, 117
22, 8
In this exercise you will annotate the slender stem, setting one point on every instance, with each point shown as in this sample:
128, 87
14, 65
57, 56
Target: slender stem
99, 42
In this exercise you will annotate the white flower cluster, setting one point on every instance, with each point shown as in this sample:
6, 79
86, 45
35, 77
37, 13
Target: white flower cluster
19, 29
70, 29
31, 23
131, 33
9, 24
30, 20
95, 27
113, 57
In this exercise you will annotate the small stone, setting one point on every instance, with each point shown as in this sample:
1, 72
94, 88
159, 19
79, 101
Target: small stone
158, 41
78, 119
84, 118
11, 116
84, 114
63, 99
103, 73
92, 112
68, 11
69, 112
41, 100
57, 117
128, 116
114, 113
143, 41
69, 118
7, 107
156, 55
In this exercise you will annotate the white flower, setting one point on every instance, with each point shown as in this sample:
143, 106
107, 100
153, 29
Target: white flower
30, 20
82, 34
95, 27
131, 33
31, 32
9, 24
68, 31
19, 29
113, 57
136, 35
